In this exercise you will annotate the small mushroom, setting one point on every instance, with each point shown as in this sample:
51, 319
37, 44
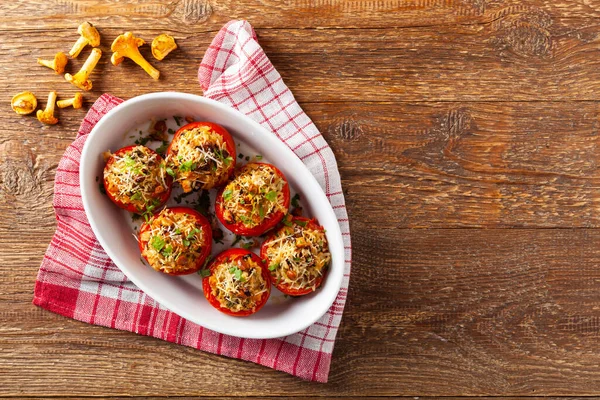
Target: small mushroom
47, 116
163, 45
76, 101
58, 64
89, 35
23, 103
80, 79
126, 45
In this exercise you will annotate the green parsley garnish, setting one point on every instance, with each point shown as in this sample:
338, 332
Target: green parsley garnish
295, 200
186, 243
136, 196
204, 272
157, 243
187, 166
192, 233
273, 267
227, 194
170, 172
271, 196
247, 245
236, 240
301, 223
258, 157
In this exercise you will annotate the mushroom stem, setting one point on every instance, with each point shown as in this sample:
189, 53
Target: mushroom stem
76, 101
78, 46
47, 115
88, 35
58, 64
80, 79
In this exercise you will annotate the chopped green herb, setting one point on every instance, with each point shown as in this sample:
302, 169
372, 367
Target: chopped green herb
228, 160
171, 172
181, 196
227, 194
167, 251
143, 140
258, 157
163, 147
245, 220
192, 233
271, 196
177, 120
204, 273
136, 196
202, 204
296, 259
295, 200
236, 240
186, 243
302, 223
187, 166
247, 245
261, 211
287, 222
157, 243
273, 267
177, 231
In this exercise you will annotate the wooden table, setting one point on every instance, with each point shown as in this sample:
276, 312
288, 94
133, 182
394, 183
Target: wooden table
467, 136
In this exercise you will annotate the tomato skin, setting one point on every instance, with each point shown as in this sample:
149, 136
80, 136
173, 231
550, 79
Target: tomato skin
206, 230
282, 287
218, 129
239, 228
163, 198
234, 254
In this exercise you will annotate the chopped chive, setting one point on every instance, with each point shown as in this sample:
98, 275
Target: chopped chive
273, 267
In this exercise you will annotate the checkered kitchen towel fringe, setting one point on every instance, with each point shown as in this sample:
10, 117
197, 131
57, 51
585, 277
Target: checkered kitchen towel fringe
78, 280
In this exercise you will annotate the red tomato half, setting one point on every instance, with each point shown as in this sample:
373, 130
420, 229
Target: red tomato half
162, 198
269, 222
201, 222
230, 255
218, 129
283, 287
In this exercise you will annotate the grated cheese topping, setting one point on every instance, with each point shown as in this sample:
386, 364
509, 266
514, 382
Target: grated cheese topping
255, 193
238, 284
136, 177
298, 255
174, 241
199, 159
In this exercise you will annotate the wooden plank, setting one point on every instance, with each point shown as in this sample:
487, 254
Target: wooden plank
202, 15
442, 63
430, 312
427, 164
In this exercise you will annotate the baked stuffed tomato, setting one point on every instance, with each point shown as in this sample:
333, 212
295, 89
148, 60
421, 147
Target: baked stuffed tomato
201, 156
297, 256
254, 201
238, 283
135, 179
176, 241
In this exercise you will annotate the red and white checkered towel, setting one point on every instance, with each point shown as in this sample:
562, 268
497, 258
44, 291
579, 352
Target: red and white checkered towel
78, 280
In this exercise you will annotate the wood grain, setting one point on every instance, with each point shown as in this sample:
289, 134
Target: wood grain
475, 121
511, 312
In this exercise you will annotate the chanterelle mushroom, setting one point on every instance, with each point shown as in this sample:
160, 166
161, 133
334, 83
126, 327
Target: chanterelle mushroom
80, 79
126, 45
76, 101
89, 35
23, 103
47, 116
162, 45
58, 64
